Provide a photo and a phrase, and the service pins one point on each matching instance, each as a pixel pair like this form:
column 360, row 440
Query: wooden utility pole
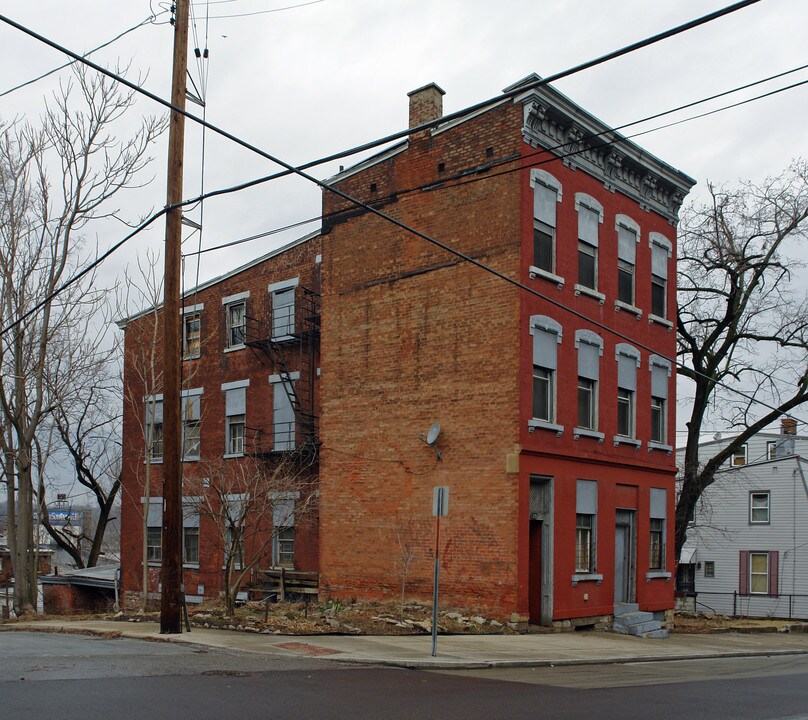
column 171, row 571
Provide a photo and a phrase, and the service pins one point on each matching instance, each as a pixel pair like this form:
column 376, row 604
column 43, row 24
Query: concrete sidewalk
column 455, row 651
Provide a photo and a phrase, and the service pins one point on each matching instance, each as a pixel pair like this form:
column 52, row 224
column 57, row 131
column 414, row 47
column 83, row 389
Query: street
column 79, row 676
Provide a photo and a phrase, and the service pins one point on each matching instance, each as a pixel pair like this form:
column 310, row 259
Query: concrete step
column 622, row 608
column 656, row 634
column 633, row 618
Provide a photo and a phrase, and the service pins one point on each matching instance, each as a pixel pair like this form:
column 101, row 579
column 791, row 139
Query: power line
column 459, row 175
column 403, row 226
column 148, row 21
column 265, row 12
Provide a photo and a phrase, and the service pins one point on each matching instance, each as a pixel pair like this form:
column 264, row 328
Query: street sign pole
column 440, row 508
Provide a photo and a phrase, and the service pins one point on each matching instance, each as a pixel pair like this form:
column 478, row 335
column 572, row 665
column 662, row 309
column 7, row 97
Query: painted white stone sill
column 619, row 305
column 228, row 456
column 659, row 321
column 657, row 575
column 544, row 274
column 587, row 577
column 659, row 446
column 234, row 348
column 584, row 290
column 625, row 440
column 543, row 425
column 579, row 432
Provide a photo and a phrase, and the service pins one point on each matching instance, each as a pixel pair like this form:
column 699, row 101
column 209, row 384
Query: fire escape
column 289, row 341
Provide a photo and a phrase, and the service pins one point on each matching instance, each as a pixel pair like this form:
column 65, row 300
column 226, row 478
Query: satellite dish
column 432, row 434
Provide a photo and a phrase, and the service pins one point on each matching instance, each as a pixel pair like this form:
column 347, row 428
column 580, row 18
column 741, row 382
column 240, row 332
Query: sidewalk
column 455, row 651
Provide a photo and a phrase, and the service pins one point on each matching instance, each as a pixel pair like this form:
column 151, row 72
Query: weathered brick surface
column 209, row 371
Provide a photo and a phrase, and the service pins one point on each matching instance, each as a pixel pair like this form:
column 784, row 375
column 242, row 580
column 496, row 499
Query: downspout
column 116, row 582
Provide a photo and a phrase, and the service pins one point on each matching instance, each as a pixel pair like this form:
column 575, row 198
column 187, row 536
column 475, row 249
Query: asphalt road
column 48, row 675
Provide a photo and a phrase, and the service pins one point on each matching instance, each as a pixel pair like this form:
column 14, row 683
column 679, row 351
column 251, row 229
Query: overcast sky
column 309, row 81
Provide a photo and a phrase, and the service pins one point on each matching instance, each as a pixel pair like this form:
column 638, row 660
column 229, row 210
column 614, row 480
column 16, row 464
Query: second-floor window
column 546, row 334
column 660, row 373
column 282, row 296
column 590, row 348
column 154, row 428
column 628, row 360
column 235, row 401
column 191, row 425
column 739, row 456
column 191, row 335
column 759, row 508
column 658, row 432
column 236, row 323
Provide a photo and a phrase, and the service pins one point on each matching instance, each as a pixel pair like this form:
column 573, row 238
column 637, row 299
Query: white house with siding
column 747, row 545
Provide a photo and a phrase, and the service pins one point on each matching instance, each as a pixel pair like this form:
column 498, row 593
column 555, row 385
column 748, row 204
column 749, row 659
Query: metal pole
column 435, row 588
column 171, row 571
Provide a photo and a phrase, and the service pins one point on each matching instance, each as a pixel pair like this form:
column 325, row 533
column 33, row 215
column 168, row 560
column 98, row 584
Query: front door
column 535, row 572
column 624, row 557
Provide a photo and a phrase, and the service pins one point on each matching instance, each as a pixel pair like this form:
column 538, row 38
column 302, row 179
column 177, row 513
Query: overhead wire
column 448, row 182
column 388, row 218
column 266, row 12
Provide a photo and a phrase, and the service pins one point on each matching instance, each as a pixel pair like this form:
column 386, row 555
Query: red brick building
column 556, row 401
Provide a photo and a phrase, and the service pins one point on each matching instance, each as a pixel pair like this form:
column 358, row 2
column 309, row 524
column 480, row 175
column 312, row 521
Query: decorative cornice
column 554, row 122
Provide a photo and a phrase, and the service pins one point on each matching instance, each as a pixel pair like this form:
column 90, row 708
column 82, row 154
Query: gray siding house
column 747, row 544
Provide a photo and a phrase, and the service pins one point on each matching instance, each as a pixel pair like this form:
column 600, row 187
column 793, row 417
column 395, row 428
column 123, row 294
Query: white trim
column 584, row 290
column 628, row 223
column 532, row 424
column 659, row 446
column 579, row 432
column 626, row 440
column 659, row 321
column 192, row 392
column 535, row 272
column 235, row 384
column 655, row 238
column 620, row 305
column 283, row 285
column 229, row 456
column 233, row 348
column 590, row 203
column 542, row 177
column 156, row 398
column 586, row 577
column 230, row 299
column 318, row 259
column 187, row 310
column 657, row 574
column 277, row 378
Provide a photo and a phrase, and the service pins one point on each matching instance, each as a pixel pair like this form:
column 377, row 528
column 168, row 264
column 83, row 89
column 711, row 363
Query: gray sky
column 309, row 81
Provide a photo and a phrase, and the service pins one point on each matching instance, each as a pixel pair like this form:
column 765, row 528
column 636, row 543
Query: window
column 661, row 250
column 709, row 569
column 586, row 404
column 154, row 427
column 543, row 401
column 759, row 572
column 236, row 509
column 660, row 373
column 191, row 424
column 590, row 214
column 154, row 549
column 658, row 513
column 583, row 543
column 283, row 308
column 283, row 524
column 657, row 538
column 546, row 193
column 759, row 508
column 191, row 335
column 628, row 233
column 625, row 412
column 590, row 348
column 628, row 360
column 658, row 434
column 234, row 546
column 739, row 456
column 771, row 449
column 283, row 413
column 190, row 545
column 236, row 323
column 235, row 408
column 546, row 337
column 586, row 505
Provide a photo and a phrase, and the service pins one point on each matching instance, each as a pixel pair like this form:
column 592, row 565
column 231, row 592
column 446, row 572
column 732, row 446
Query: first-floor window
column 234, row 546
column 587, row 417
column 625, row 412
column 190, row 545
column 657, row 544
column 286, row 547
column 709, row 569
column 154, row 551
column 543, row 394
column 584, row 557
column 759, row 573
column 657, row 420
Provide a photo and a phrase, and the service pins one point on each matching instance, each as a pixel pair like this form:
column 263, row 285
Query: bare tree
column 57, row 179
column 743, row 324
column 250, row 503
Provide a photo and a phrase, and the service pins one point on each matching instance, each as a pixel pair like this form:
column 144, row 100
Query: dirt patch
column 705, row 624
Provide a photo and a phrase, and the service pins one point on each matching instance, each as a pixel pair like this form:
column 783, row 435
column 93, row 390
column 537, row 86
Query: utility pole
column 171, row 570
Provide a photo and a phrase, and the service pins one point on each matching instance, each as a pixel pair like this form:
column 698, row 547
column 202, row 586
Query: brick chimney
column 788, row 426
column 426, row 104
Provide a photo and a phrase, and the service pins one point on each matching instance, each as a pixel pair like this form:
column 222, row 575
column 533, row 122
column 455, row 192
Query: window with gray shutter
column 659, row 379
column 283, row 419
column 628, row 359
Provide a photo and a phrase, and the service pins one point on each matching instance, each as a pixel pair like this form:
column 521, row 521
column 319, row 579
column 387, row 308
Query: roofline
column 375, row 159
column 221, row 278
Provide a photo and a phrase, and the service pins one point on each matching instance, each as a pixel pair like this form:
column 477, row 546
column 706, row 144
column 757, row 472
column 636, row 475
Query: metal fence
column 789, row 607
